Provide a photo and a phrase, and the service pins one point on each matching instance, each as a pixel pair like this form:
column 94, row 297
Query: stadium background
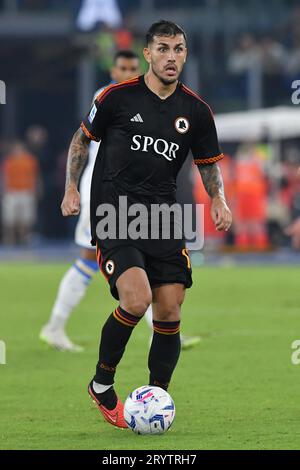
column 243, row 57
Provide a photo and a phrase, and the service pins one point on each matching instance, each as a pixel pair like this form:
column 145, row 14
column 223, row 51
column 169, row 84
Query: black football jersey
column 145, row 141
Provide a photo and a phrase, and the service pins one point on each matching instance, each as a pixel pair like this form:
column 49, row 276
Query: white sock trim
column 149, row 317
column 99, row 388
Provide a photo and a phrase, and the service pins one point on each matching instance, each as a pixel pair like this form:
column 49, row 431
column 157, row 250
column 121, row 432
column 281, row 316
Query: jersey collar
column 154, row 95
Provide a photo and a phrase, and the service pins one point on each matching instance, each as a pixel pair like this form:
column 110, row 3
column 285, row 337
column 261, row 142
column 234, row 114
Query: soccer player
column 76, row 280
column 147, row 126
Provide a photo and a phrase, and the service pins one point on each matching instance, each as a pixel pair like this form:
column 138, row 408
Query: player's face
column 125, row 69
column 166, row 56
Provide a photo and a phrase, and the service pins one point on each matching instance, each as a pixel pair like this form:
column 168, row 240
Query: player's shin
column 114, row 338
column 164, row 352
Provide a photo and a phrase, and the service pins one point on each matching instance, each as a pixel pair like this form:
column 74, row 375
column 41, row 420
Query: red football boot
column 114, row 416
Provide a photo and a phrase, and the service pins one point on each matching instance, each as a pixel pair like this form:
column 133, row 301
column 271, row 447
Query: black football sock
column 108, row 398
column 114, row 337
column 164, row 352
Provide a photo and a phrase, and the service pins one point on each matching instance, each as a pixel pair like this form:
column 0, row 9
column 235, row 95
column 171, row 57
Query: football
column 149, row 410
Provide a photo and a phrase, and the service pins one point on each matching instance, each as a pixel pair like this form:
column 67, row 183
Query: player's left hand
column 221, row 214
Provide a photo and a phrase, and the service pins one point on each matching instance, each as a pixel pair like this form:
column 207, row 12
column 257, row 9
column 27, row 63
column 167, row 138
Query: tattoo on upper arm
column 212, row 180
column 77, row 156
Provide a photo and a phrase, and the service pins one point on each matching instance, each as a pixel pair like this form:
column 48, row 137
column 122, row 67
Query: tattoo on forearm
column 212, row 180
column 77, row 156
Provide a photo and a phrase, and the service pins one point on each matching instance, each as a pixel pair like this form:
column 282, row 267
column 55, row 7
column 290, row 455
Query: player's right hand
column 71, row 202
column 294, row 231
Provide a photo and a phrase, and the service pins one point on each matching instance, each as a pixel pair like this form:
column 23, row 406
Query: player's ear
column 186, row 52
column 146, row 52
column 112, row 73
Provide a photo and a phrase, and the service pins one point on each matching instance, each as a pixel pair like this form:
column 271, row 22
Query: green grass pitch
column 236, row 390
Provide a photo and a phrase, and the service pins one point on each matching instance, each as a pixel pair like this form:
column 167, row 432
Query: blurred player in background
column 75, row 282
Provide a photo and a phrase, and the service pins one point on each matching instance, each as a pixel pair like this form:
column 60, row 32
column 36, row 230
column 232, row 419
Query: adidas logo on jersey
column 137, row 118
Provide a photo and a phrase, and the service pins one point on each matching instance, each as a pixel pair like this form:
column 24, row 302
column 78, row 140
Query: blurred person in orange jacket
column 213, row 236
column 20, row 173
column 293, row 230
column 251, row 200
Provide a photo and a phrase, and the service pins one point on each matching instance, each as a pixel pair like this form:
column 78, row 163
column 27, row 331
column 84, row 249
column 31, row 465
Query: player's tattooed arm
column 213, row 182
column 212, row 179
column 77, row 156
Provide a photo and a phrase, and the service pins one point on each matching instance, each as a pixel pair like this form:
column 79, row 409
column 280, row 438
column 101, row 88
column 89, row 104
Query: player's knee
column 136, row 303
column 168, row 312
column 139, row 308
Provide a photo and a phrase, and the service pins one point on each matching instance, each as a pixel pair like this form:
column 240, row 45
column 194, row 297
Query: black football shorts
column 175, row 267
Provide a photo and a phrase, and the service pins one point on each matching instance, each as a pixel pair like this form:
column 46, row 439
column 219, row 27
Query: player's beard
column 164, row 81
